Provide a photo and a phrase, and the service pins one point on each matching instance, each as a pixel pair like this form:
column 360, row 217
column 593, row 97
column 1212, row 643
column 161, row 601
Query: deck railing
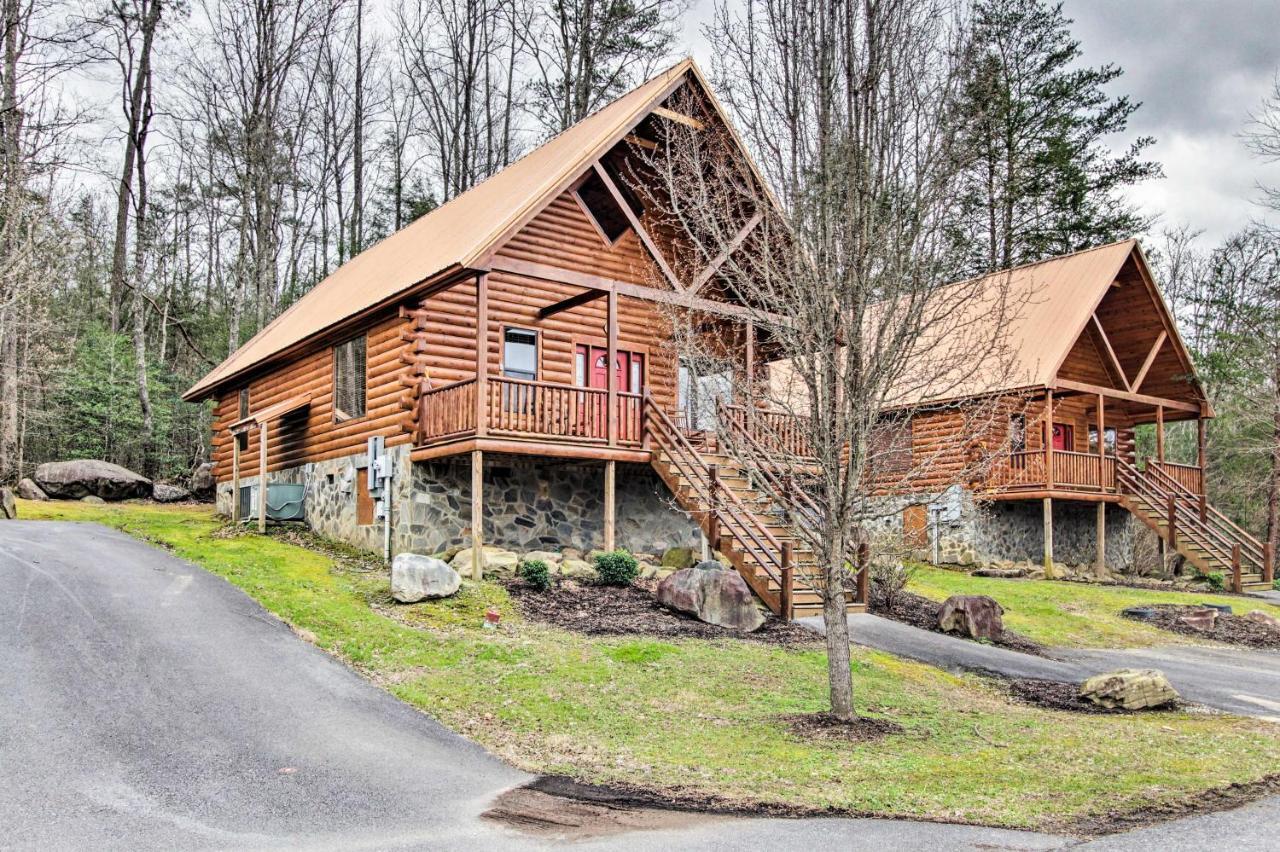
column 1189, row 476
column 776, row 431
column 447, row 412
column 1026, row 469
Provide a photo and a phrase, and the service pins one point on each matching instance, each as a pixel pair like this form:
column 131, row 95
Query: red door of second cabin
column 1064, row 437
column 592, row 372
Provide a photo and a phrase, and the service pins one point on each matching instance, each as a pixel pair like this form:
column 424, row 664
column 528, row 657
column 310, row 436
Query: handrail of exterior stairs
column 729, row 513
column 1248, row 543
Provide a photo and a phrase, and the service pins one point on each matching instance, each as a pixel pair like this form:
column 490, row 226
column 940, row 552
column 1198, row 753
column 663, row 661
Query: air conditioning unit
column 285, row 501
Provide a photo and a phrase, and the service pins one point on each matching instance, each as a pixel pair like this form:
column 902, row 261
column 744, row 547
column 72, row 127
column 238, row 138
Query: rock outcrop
column 714, row 594
column 162, row 492
column 976, row 616
column 416, row 578
column 28, row 490
column 203, row 483
column 1131, row 689
column 90, row 478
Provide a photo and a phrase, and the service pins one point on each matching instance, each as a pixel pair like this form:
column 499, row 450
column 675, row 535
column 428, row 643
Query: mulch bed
column 1055, row 695
column 825, row 726
column 918, row 611
column 598, row 610
column 1230, row 629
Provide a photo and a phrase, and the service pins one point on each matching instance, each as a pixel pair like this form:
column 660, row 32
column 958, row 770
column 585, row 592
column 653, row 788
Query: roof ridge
column 1050, row 259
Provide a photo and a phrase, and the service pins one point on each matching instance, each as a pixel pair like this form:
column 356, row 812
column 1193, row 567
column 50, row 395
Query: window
column 520, row 353
column 349, row 393
column 600, row 203
column 891, row 445
column 244, row 403
column 1017, row 433
column 1108, row 440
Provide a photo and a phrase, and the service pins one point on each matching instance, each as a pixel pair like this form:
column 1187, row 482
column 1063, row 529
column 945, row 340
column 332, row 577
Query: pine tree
column 1030, row 128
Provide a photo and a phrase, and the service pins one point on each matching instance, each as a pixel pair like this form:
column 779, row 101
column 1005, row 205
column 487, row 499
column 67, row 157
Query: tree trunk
column 839, row 671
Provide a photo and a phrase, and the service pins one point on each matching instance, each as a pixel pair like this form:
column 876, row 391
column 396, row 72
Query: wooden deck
column 1087, row 476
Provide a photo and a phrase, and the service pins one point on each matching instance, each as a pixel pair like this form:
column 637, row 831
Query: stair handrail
column 769, row 550
column 1189, row 525
column 1250, row 548
column 1246, row 540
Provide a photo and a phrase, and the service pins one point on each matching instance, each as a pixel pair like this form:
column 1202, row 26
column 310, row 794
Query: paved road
column 1235, row 680
column 147, row 704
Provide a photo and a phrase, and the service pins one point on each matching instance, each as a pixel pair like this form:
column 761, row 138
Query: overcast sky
column 1198, row 67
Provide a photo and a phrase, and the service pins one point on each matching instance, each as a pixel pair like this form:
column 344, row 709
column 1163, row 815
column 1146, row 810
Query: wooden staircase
column 742, row 522
column 1208, row 539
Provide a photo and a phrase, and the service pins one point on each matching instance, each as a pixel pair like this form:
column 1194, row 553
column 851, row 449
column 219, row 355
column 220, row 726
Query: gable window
column 603, row 209
column 1108, row 440
column 243, row 438
column 520, row 353
column 1017, row 433
column 349, row 393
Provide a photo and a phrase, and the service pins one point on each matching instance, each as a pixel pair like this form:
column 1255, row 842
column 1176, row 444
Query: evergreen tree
column 1030, row 126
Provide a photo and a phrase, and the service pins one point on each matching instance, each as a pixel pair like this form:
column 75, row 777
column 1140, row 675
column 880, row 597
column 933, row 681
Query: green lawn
column 702, row 717
column 1066, row 614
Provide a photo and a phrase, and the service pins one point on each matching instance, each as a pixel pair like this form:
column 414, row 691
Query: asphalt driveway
column 148, row 704
column 1235, row 680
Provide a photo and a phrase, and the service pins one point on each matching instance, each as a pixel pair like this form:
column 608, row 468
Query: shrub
column 536, row 573
column 888, row 579
column 618, row 568
column 1216, row 581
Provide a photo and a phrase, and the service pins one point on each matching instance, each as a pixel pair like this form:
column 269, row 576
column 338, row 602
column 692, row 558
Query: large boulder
column 415, row 578
column 8, row 507
column 203, row 483
column 712, row 593
column 1266, row 619
column 1132, row 689
column 28, row 490
column 90, row 477
column 494, row 561
column 162, row 492
column 976, row 616
column 1203, row 620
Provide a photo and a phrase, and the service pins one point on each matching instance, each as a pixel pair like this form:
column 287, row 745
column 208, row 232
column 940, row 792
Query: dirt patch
column 556, row 817
column 597, row 610
column 1217, row 799
column 825, row 726
column 918, row 611
column 1230, row 629
column 1055, row 695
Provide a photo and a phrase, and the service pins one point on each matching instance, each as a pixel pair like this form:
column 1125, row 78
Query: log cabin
column 498, row 373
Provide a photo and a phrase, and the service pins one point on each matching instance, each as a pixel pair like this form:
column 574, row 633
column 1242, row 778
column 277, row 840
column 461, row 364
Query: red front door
column 592, row 372
column 1064, row 437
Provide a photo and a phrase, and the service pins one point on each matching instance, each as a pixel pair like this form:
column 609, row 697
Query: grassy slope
column 702, row 716
column 1072, row 614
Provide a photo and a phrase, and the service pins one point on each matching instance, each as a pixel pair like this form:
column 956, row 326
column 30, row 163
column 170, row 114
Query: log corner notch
column 415, row 377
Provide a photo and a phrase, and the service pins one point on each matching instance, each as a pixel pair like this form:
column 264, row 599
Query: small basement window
column 244, row 403
column 520, row 353
column 603, row 209
column 349, row 392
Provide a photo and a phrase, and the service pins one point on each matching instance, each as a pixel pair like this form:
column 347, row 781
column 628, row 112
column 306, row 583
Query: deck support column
column 1160, row 433
column 482, row 355
column 477, row 514
column 611, row 371
column 235, row 478
column 1102, row 537
column 1048, row 441
column 1048, row 538
column 262, row 477
column 1102, row 445
column 610, row 508
column 1200, row 453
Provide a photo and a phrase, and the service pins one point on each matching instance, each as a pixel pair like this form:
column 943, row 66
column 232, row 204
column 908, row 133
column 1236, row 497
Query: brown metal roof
column 271, row 412
column 453, row 236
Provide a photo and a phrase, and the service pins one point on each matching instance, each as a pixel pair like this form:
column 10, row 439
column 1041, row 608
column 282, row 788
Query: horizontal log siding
column 313, row 436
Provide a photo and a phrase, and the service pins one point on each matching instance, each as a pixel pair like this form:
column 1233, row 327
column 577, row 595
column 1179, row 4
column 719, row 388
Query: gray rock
column 8, row 507
column 203, row 483
column 164, row 493
column 578, row 569
column 1132, row 689
column 494, row 561
column 28, row 490
column 976, row 616
column 712, row 593
column 416, row 578
column 552, row 559
column 85, row 477
column 92, row 498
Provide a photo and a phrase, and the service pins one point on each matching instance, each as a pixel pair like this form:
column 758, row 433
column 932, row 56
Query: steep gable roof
column 454, row 236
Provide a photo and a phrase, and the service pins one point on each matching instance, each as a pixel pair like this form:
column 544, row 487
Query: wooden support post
column 784, row 593
column 610, row 516
column 262, row 477
column 482, row 355
column 235, row 479
column 713, row 522
column 1237, row 584
column 1268, row 564
column 1200, row 452
column 1102, row 445
column 1173, row 525
column 1102, row 537
column 1204, row 508
column 1048, row 449
column 477, row 514
column 750, row 367
column 1159, row 433
column 611, row 374
column 1048, row 538
column 864, row 572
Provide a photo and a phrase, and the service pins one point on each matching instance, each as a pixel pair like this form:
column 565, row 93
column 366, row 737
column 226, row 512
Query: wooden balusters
column 788, row 581
column 713, row 531
column 1172, row 504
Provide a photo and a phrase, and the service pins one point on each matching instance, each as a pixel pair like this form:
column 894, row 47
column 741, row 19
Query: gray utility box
column 284, row 501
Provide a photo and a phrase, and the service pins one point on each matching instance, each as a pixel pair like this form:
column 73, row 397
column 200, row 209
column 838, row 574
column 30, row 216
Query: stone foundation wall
column 528, row 504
